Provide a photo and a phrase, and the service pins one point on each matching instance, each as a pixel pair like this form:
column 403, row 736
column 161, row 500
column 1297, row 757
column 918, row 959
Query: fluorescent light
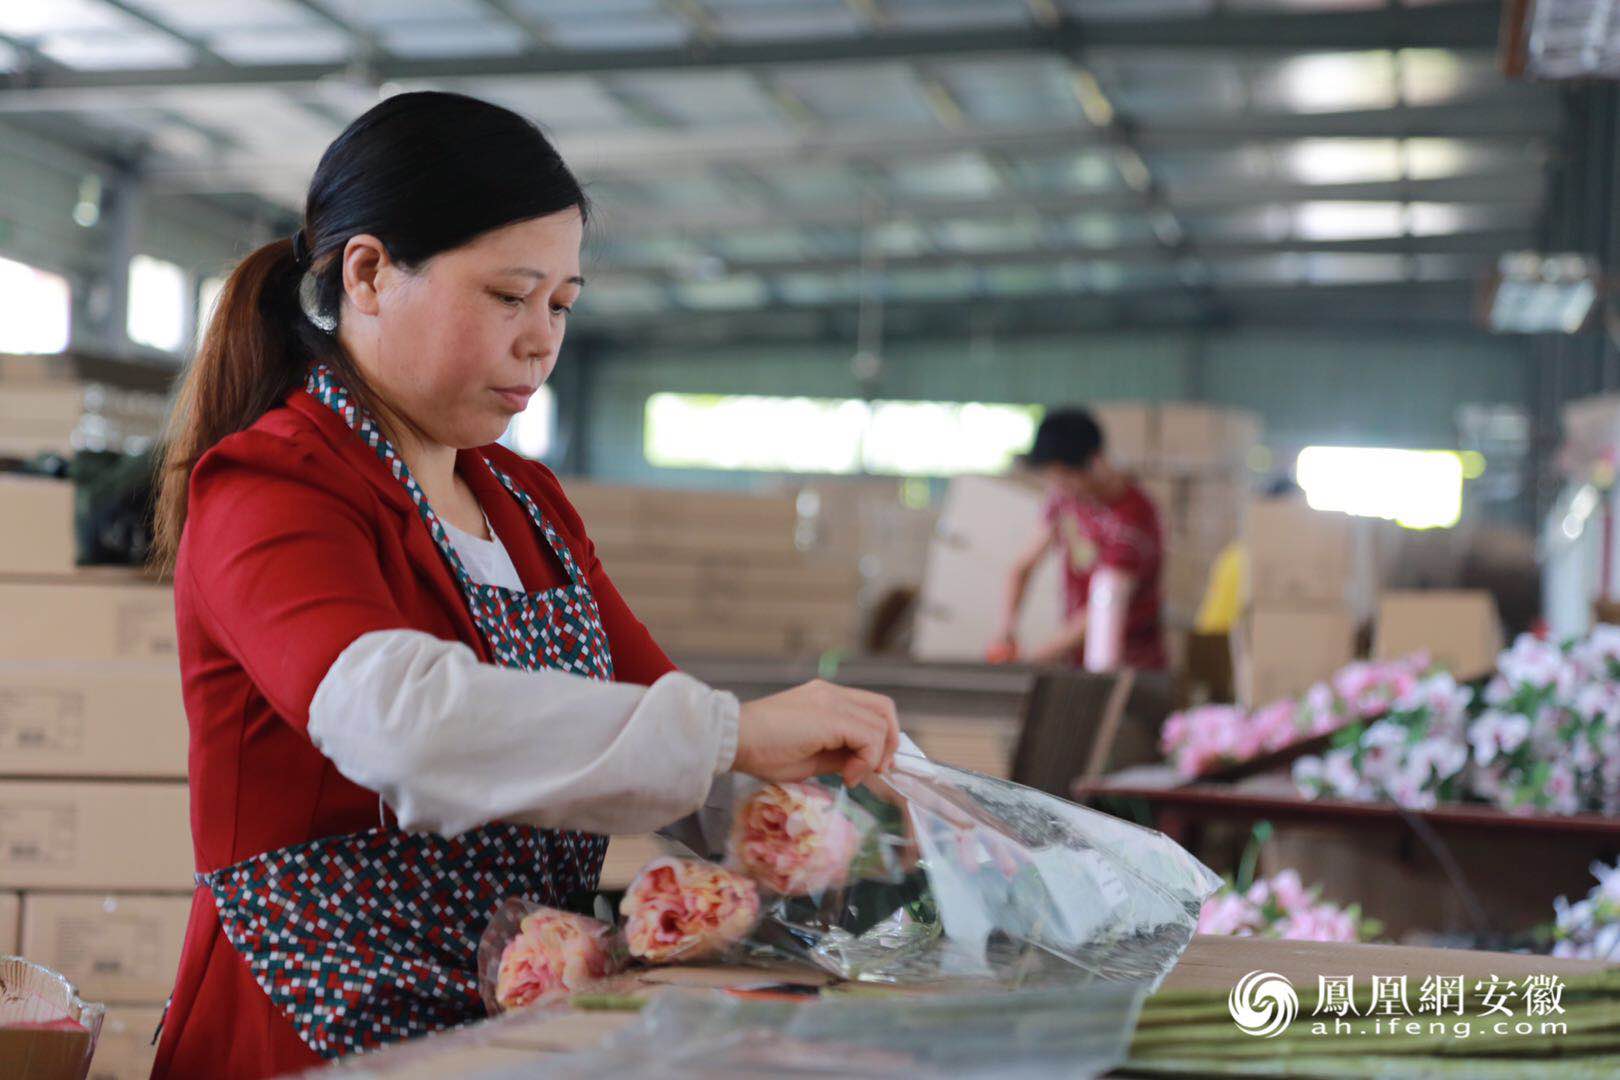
column 1542, row 294
column 1571, row 39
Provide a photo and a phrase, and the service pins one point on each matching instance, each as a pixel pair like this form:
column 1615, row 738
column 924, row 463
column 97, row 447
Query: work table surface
column 1210, row 963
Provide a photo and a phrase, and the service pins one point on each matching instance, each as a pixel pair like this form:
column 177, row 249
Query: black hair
column 426, row 172
column 1068, row 436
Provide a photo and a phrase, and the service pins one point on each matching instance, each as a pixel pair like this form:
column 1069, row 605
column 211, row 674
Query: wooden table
column 1210, row 963
column 1276, row 799
column 1438, row 871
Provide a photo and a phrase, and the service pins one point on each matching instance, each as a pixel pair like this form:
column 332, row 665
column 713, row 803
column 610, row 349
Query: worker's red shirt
column 1125, row 535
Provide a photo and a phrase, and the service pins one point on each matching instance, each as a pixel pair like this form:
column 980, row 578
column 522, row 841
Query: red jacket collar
column 528, row 552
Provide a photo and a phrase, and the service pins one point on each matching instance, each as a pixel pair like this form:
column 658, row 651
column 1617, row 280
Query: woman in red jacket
column 411, row 687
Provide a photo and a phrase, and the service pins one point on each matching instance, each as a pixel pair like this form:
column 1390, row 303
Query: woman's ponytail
column 251, row 355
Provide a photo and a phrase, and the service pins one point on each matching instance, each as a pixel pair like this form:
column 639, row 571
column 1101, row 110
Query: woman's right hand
column 814, row 730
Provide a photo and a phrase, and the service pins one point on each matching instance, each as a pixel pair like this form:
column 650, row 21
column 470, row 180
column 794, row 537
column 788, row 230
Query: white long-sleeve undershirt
column 451, row 743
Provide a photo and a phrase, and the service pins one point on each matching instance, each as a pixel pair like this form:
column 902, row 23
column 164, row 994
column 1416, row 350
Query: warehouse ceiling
column 982, row 166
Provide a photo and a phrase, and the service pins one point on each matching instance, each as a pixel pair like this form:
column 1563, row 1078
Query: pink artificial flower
column 1201, row 739
column 1228, row 913
column 794, row 839
column 554, row 952
column 1324, row 922
column 1290, row 892
column 686, row 909
column 1320, row 712
column 1273, row 727
column 1562, row 797
column 1369, row 688
column 1173, row 733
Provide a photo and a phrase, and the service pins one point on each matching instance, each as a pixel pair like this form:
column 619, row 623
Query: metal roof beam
column 1481, row 242
column 1518, row 188
column 1467, row 25
column 1384, row 301
column 656, row 155
column 1511, row 189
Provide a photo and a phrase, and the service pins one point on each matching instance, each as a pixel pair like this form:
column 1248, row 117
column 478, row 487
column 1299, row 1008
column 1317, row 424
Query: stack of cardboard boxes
column 712, row 572
column 46, row 408
column 1192, row 460
column 868, row 523
column 1297, row 627
column 95, row 835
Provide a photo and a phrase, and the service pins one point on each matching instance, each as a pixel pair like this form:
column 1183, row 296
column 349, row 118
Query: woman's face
column 458, row 345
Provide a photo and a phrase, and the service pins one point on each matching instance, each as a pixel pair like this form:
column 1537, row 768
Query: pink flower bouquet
column 1589, row 929
column 1202, row 740
column 795, row 839
column 1282, row 907
column 679, row 910
column 532, row 954
column 1543, row 737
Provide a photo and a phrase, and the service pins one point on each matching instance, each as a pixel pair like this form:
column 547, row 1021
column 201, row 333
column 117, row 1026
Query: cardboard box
column 39, row 417
column 719, row 609
column 690, row 639
column 666, row 509
column 126, row 1048
column 1198, row 438
column 16, row 368
column 980, row 744
column 1459, row 628
column 983, row 526
column 648, row 577
column 1164, row 493
column 42, row 403
column 1130, row 433
column 10, row 922
column 1192, row 436
column 63, row 718
column 1280, row 652
column 1185, row 578
column 1297, row 555
column 44, row 1053
column 959, row 610
column 113, row 948
column 91, row 617
column 134, row 836
column 1242, row 435
column 618, row 540
column 626, row 855
column 38, row 535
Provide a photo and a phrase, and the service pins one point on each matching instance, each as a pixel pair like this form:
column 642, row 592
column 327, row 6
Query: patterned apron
column 370, row 938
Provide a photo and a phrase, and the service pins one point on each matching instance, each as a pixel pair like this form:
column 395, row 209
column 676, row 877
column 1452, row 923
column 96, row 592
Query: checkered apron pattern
column 370, row 938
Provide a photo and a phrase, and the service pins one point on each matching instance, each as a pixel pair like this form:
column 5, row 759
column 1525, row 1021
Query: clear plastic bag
column 530, row 954
column 1070, row 1032
column 956, row 876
